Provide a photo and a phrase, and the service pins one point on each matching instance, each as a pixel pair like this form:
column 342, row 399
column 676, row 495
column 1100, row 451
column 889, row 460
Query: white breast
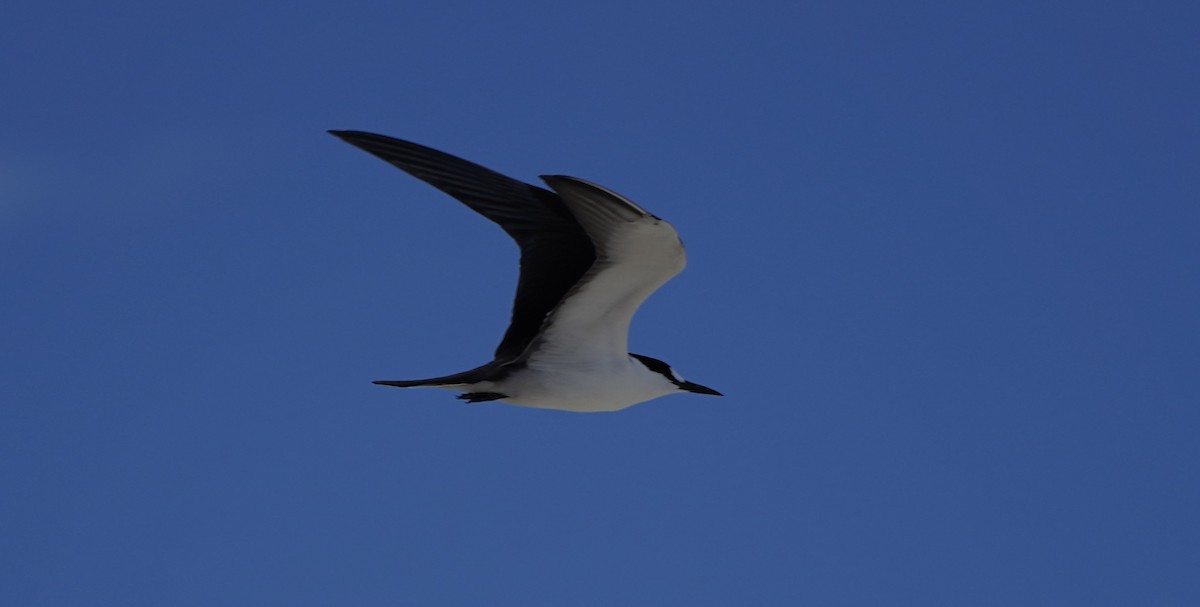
column 610, row 387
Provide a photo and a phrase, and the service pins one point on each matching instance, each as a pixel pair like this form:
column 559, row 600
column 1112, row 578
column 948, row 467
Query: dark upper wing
column 555, row 250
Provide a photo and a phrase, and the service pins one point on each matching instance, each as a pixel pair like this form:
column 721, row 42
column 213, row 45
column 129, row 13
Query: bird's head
column 674, row 377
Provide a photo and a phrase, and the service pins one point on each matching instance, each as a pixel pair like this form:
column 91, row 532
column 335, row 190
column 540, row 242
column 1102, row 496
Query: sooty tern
column 589, row 258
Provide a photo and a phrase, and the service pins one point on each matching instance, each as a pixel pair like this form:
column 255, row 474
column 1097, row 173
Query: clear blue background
column 944, row 264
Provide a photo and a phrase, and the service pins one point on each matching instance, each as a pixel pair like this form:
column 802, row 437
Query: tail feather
column 473, row 376
column 408, row 383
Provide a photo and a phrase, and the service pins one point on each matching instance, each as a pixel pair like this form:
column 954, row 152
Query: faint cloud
column 112, row 182
column 21, row 186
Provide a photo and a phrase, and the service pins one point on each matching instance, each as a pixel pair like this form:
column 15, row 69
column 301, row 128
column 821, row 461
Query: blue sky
column 943, row 263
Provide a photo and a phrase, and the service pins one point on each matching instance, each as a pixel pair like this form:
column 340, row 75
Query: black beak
column 698, row 389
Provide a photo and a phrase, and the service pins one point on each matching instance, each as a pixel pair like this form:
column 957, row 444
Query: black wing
column 555, row 251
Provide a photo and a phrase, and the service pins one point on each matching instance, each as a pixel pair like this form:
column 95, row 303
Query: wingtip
column 351, row 133
column 566, row 185
column 551, row 180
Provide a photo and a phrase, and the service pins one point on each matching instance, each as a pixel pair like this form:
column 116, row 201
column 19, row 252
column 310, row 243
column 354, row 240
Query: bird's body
column 589, row 258
column 599, row 385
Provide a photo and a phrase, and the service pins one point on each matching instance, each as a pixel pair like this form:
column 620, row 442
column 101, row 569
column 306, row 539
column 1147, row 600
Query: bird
column 589, row 257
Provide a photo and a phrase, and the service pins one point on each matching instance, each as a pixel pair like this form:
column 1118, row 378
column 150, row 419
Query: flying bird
column 589, row 258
